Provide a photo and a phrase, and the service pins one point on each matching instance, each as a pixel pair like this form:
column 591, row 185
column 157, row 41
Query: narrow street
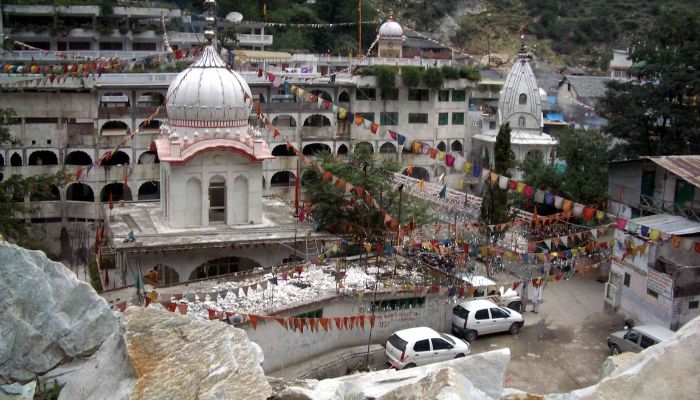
column 561, row 348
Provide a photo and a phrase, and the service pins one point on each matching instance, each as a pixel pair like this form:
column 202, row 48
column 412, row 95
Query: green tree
column 494, row 206
column 585, row 177
column 15, row 188
column 657, row 113
column 335, row 209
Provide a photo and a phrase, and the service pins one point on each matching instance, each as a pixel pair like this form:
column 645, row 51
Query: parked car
column 473, row 318
column 408, row 348
column 637, row 338
column 485, row 289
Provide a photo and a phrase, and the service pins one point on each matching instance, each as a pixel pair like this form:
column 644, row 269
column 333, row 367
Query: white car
column 485, row 289
column 473, row 318
column 408, row 348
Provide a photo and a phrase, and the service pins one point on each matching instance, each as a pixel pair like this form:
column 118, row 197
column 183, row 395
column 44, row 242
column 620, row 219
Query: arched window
column 2, row 161
column 317, row 120
column 149, row 191
column 419, row 173
column 456, row 146
column 80, row 192
column 118, row 190
column 344, row 97
column 15, row 160
column 114, row 128
column 223, row 266
column 522, row 99
column 322, row 94
column 78, row 158
column 387, row 148
column 43, row 157
column 313, row 148
column 283, row 179
column 150, row 99
column 150, row 127
column 282, row 151
column 149, row 157
column 50, row 194
column 364, row 146
column 118, row 158
column 342, row 150
column 442, row 146
column 217, row 199
column 161, row 275
column 521, row 122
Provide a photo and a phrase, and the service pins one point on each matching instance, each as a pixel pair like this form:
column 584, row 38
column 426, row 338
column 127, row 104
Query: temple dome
column 208, row 91
column 390, row 28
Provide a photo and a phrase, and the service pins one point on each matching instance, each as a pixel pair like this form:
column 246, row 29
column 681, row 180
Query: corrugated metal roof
column 588, row 86
column 262, row 55
column 671, row 224
column 687, row 167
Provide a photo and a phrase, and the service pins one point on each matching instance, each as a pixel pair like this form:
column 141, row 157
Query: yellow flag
column 342, row 113
column 467, row 167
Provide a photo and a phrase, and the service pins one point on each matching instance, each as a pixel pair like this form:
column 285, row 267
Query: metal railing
column 648, row 203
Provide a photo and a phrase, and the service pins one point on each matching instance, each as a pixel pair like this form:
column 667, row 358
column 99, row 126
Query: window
column 459, row 95
column 217, row 200
column 443, row 118
column 417, row 118
column 366, row 115
column 444, row 95
column 418, row 94
column 482, row 314
column 492, row 124
column 627, row 279
column 440, row 344
column 390, row 94
column 311, row 314
column 397, row 342
column 498, row 313
column 458, row 118
column 111, row 46
column 144, row 46
column 389, row 118
column 521, row 122
column 366, row 94
column 398, row 304
column 522, row 99
column 652, row 293
column 422, row 345
column 632, row 336
column 460, row 312
column 442, row 146
column 692, row 304
column 647, row 341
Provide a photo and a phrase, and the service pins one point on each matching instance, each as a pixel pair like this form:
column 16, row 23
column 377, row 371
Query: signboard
column 660, row 283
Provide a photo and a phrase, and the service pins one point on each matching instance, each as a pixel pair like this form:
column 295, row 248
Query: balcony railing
column 258, row 40
column 648, row 203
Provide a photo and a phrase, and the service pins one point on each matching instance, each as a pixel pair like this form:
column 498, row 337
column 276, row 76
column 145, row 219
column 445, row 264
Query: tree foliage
column 657, row 113
column 585, row 178
column 14, row 189
column 337, row 210
column 411, row 76
column 494, row 206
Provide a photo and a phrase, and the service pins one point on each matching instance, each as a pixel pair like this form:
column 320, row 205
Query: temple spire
column 210, row 31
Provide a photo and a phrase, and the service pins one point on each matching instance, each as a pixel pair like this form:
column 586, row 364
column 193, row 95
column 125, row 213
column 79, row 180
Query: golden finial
column 391, row 14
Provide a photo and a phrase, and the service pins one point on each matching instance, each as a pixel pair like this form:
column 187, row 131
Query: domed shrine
column 390, row 38
column 211, row 158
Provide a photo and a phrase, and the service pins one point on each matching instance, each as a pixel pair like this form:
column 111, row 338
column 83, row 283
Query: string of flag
column 316, row 26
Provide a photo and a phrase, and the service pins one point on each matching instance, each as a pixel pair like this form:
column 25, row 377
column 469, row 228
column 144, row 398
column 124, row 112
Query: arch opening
column 342, row 150
column 442, row 146
column 283, row 179
column 322, row 94
column 46, row 194
column 2, row 161
column 80, row 192
column 150, row 99
column 418, row 173
column 149, row 191
column 118, row 190
column 313, row 148
column 15, row 160
column 364, row 146
column 78, row 158
column 387, row 148
column 317, row 121
column 149, row 157
column 282, row 151
column 284, row 121
column 42, row 157
column 114, row 128
column 152, row 126
column 456, row 146
column 522, row 99
column 161, row 275
column 118, row 158
column 344, row 97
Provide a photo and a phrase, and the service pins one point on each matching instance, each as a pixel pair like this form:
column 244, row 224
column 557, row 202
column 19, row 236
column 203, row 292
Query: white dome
column 208, row 91
column 390, row 29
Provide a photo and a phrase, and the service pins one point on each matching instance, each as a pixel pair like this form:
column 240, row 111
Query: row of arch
column 387, row 148
column 78, row 157
column 147, row 99
column 162, row 274
column 83, row 192
column 115, row 127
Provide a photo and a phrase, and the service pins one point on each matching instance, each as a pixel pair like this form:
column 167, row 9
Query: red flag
column 254, row 320
column 182, row 308
column 126, row 177
column 121, row 306
column 111, row 201
column 338, row 322
column 324, row 323
column 371, row 321
column 212, row 313
column 362, row 321
column 172, row 307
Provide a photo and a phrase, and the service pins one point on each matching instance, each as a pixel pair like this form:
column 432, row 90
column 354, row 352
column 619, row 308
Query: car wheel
column 471, row 336
column 514, row 328
column 615, row 350
column 460, row 355
column 516, row 305
column 411, row 365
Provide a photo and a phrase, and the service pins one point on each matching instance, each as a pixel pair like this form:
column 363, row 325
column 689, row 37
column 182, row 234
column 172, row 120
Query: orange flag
column 362, row 321
column 254, row 320
column 371, row 321
column 324, row 323
column 313, row 323
column 352, row 322
column 338, row 322
column 283, row 322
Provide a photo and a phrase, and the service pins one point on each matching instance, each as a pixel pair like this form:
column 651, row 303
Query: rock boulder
column 47, row 314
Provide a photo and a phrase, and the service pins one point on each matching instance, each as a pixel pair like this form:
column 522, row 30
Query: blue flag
column 443, row 192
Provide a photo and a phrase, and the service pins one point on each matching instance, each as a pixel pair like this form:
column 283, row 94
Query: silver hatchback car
column 638, row 338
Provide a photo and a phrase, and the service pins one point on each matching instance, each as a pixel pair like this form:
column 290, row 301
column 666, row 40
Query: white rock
column 47, row 314
column 17, row 391
column 443, row 384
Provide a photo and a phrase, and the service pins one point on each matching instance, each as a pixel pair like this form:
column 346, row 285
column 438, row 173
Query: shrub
column 411, row 76
column 470, row 73
column 449, row 72
column 433, row 78
column 386, row 77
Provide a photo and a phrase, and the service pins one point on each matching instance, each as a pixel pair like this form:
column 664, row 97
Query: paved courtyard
column 563, row 346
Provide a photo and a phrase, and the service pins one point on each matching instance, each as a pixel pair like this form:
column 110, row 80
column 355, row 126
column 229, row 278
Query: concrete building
column 620, row 65
column 655, row 269
column 578, row 96
column 520, row 105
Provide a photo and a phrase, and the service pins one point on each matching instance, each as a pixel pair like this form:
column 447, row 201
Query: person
column 536, row 296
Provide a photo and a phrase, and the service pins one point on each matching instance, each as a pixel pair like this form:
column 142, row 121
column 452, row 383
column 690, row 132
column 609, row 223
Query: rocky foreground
column 51, row 321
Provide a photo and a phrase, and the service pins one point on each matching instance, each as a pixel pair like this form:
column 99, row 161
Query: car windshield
column 505, row 309
column 397, row 342
column 460, row 312
column 449, row 339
